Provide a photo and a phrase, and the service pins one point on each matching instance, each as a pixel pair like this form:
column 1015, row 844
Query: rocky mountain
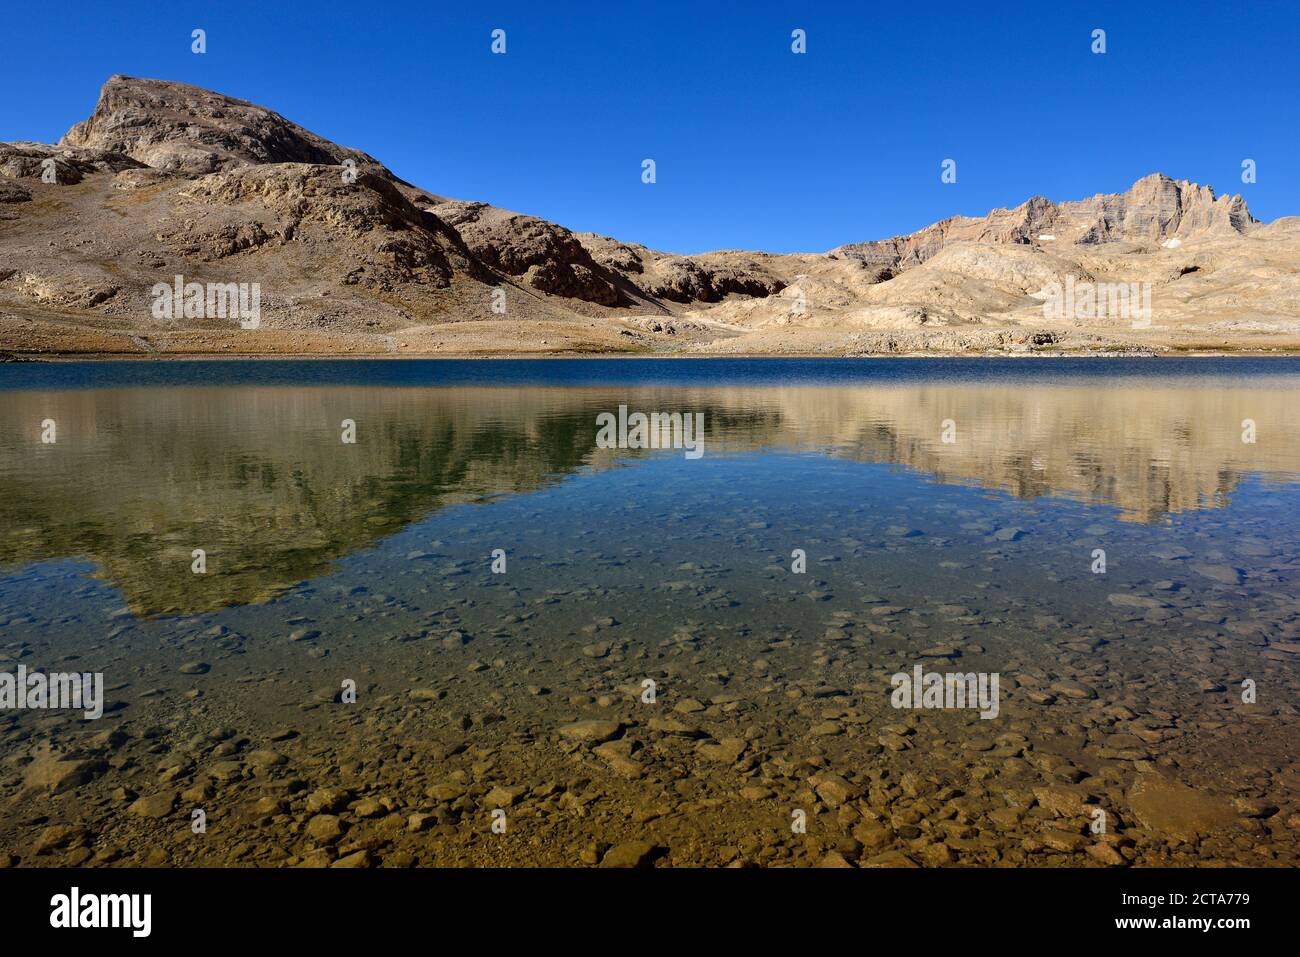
column 167, row 180
column 185, row 130
column 1155, row 209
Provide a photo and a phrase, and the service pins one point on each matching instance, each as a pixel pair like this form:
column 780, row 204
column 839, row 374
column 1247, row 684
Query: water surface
column 950, row 513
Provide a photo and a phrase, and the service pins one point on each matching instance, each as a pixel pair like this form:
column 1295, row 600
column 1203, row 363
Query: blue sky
column 756, row 147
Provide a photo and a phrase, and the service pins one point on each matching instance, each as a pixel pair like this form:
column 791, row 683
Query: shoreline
column 66, row 357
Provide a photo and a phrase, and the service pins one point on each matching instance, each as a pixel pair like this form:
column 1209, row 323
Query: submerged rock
column 1172, row 808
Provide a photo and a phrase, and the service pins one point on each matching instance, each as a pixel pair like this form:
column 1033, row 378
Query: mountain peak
column 1154, row 209
column 186, row 129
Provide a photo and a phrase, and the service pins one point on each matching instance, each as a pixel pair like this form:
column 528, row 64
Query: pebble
column 591, row 732
column 1226, row 574
column 265, row 759
column 728, row 750
column 502, row 796
column 834, row 790
column 324, row 828
column 59, row 835
column 369, row 807
column 833, row 859
column 154, row 806
column 361, row 859
column 1106, row 855
column 941, row 651
column 1073, row 689
column 674, row 727
column 444, row 793
column 1173, row 808
column 631, row 854
column 56, row 776
column 1065, row 841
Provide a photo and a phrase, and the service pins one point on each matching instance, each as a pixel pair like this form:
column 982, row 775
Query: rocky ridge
column 165, row 179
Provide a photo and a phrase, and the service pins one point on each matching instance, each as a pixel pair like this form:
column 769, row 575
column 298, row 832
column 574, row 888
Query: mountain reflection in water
column 256, row 475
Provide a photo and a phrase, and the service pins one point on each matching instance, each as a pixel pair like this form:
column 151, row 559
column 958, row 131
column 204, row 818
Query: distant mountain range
column 167, row 180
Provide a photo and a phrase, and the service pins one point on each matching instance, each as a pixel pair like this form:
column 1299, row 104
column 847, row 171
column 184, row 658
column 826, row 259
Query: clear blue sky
column 756, row 147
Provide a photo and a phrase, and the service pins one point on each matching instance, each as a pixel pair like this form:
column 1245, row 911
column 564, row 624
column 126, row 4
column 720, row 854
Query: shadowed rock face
column 166, row 179
column 393, row 243
column 599, row 270
column 546, row 256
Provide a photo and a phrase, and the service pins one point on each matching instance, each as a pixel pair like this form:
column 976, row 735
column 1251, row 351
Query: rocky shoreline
column 475, row 696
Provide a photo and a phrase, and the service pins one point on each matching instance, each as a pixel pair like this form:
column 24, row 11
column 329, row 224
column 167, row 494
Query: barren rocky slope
column 165, row 179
